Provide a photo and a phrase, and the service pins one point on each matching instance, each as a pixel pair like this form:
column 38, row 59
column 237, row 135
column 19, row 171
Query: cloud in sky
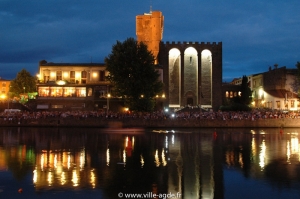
column 255, row 34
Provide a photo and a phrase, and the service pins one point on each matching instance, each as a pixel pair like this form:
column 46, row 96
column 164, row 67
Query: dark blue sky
column 255, row 34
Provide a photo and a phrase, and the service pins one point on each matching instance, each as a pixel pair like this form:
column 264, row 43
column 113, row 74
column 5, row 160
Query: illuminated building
column 149, row 30
column 71, row 85
column 274, row 89
column 4, row 88
column 190, row 71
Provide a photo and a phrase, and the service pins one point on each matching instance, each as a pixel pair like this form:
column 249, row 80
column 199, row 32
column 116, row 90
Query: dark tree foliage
column 246, row 93
column 133, row 76
column 240, row 103
column 23, row 80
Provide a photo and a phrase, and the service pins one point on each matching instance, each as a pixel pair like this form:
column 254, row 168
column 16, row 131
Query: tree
column 133, row 76
column 23, row 83
column 246, row 93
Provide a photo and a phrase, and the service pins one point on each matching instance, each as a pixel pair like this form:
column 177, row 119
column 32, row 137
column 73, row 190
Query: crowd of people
column 255, row 114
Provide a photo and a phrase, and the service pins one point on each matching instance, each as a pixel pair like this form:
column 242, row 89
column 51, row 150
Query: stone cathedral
column 191, row 71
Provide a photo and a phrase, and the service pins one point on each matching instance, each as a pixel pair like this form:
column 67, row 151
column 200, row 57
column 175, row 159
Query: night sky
column 255, row 34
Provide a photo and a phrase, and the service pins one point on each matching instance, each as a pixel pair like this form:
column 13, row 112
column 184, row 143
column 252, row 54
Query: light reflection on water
column 189, row 163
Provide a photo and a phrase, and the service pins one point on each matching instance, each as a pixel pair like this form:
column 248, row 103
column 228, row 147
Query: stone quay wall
column 148, row 123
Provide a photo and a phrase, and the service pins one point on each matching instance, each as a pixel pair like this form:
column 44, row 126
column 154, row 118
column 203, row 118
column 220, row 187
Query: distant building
column 4, row 88
column 274, row 89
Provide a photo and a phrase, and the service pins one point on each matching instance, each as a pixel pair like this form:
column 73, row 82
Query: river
column 230, row 163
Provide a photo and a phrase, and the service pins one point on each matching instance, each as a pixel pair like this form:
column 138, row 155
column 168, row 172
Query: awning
column 42, row 106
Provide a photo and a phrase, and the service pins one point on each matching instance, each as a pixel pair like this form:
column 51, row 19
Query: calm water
column 186, row 163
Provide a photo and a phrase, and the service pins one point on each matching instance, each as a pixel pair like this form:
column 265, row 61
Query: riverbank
column 155, row 123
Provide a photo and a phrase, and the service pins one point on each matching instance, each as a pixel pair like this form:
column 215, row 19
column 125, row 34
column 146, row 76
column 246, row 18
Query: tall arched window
column 174, row 77
column 190, row 76
column 206, row 77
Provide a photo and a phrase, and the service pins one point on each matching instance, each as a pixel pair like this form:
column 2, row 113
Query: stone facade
column 149, row 30
column 192, row 73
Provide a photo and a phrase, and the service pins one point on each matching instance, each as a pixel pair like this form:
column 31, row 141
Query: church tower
column 149, row 30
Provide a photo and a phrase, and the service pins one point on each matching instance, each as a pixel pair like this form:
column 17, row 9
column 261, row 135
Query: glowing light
column 288, row 152
column 75, row 178
column 82, row 158
column 77, row 74
column 62, row 178
column 107, row 157
column 69, row 161
column 163, row 157
column 55, row 161
column 133, row 141
column 3, row 96
column 34, row 179
column 262, row 155
column 95, row 74
column 49, row 179
column 42, row 162
column 142, row 161
column 93, row 179
column 60, row 82
column 261, row 92
column 66, row 74
column 156, row 158
column 124, row 156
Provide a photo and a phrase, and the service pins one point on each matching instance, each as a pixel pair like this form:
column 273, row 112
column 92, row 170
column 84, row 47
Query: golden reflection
column 126, row 141
column 295, row 145
column 82, row 160
column 157, row 163
column 55, row 161
column 142, row 161
column 262, row 155
column 93, row 179
column 42, row 162
column 49, row 179
column 124, row 157
column 133, row 140
column 253, row 146
column 69, row 161
column 63, row 178
column 288, row 151
column 107, row 157
column 163, row 157
column 75, row 178
column 34, row 179
column 229, row 157
column 241, row 160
